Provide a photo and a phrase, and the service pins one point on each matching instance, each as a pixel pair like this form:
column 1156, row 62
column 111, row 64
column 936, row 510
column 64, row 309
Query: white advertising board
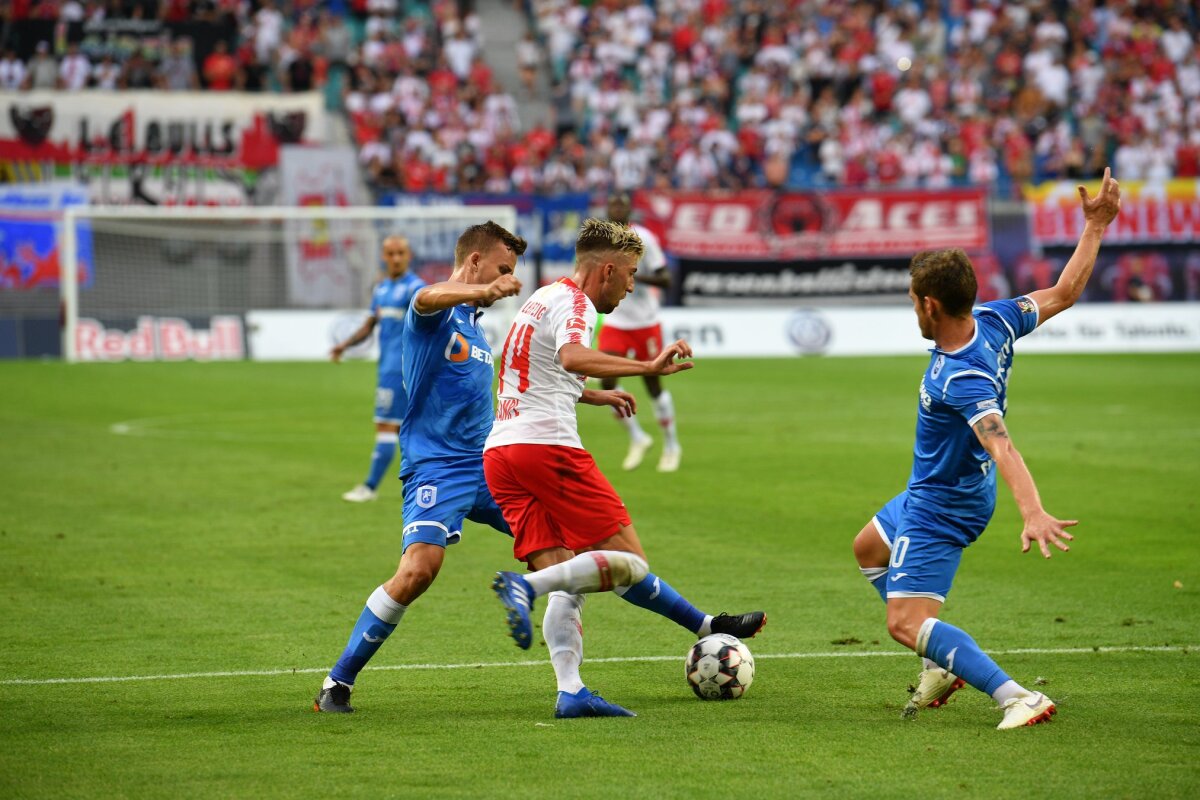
column 749, row 333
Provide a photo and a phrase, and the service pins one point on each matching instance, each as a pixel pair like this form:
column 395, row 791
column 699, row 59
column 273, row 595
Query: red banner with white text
column 759, row 224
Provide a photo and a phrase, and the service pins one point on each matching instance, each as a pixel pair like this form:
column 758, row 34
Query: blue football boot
column 517, row 596
column 586, row 704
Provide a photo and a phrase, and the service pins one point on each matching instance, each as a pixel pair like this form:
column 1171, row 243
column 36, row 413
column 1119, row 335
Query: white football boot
column 934, row 687
column 1028, row 710
column 360, row 494
column 669, row 461
column 637, row 451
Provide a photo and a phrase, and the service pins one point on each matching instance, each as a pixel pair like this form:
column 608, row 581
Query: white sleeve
column 572, row 320
column 653, row 259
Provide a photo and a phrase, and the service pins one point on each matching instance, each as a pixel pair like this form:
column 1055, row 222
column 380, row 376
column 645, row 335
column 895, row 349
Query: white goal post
column 139, row 268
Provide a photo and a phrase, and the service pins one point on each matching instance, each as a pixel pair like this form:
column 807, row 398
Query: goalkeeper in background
column 389, row 302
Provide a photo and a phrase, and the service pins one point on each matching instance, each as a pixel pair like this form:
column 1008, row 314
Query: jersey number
column 899, row 550
column 517, row 358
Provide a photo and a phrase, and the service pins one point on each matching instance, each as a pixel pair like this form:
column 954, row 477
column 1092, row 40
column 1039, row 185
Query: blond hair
column 602, row 235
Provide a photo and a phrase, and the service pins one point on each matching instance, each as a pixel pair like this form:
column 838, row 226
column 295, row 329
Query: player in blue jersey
column 389, row 301
column 448, row 377
column 911, row 549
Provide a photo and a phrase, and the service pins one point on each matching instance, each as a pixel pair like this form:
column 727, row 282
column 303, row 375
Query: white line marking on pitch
column 1059, row 651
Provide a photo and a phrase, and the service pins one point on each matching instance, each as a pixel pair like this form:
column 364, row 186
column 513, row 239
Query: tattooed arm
column 1040, row 526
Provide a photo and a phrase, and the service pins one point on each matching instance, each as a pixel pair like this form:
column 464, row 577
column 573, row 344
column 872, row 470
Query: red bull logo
column 161, row 339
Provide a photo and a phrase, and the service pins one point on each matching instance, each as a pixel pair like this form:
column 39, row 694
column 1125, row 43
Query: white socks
column 1009, row 690
column 597, row 571
column 664, row 410
column 562, row 628
column 383, row 606
column 632, row 427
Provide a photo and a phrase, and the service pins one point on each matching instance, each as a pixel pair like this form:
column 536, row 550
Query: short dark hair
column 479, row 237
column 947, row 276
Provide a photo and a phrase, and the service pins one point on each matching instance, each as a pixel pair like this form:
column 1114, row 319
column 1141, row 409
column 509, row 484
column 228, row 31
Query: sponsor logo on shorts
column 426, row 496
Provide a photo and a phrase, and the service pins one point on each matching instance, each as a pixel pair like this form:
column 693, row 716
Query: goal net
column 148, row 283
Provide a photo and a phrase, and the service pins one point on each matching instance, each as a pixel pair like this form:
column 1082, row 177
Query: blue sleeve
column 375, row 301
column 972, row 394
column 423, row 324
column 1020, row 314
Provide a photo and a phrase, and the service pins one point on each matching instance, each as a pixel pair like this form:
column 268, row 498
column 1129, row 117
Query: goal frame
column 505, row 215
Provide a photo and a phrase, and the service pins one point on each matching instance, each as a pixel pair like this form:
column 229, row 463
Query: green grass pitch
column 207, row 538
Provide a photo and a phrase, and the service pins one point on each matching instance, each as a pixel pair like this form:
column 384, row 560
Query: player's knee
column 413, row 578
column 628, row 569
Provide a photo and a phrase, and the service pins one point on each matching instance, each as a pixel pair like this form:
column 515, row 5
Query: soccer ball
column 719, row 667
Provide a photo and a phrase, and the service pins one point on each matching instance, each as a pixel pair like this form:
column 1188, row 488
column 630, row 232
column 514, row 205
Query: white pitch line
column 1059, row 651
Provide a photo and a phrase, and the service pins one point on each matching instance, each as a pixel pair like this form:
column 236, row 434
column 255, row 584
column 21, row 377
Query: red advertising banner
column 1151, row 213
column 761, row 224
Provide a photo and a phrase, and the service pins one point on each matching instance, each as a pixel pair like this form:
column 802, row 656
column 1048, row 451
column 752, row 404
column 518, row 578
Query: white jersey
column 537, row 396
column 639, row 308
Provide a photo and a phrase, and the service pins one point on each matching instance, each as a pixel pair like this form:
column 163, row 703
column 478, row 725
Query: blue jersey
column 389, row 302
column 952, row 473
column 448, row 378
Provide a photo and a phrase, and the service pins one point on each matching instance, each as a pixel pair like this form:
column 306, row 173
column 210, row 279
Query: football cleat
column 334, row 700
column 586, row 704
column 637, row 451
column 1028, row 710
column 743, row 626
column 669, row 460
column 517, row 596
column 934, row 687
column 360, row 494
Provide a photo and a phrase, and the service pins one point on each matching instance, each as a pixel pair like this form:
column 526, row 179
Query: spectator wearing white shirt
column 75, row 69
column 12, row 71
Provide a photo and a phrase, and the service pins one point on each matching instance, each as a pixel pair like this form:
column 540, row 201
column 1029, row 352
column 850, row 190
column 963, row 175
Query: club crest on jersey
column 426, row 496
column 1026, row 305
column 938, row 363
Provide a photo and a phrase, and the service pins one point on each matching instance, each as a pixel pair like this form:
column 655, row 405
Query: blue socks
column 374, row 625
column 381, row 457
column 956, row 652
column 655, row 594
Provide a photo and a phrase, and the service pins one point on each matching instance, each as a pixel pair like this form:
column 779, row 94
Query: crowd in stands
column 697, row 94
column 702, row 93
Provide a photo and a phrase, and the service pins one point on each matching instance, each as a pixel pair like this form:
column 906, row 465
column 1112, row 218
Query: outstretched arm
column 660, row 277
column 585, row 361
column 1039, row 527
column 1098, row 212
column 359, row 335
column 447, row 294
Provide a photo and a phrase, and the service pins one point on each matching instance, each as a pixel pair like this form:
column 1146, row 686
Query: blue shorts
column 926, row 547
column 438, row 497
column 390, row 398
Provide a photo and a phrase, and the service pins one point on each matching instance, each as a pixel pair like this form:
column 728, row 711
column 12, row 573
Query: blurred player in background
column 448, row 369
column 911, row 549
column 569, row 525
column 633, row 330
column 389, row 302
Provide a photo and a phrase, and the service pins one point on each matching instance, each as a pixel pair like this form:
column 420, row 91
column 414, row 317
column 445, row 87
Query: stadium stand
column 692, row 94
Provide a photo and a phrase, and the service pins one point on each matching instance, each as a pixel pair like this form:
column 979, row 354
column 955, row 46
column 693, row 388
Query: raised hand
column 665, row 363
column 504, row 286
column 1104, row 207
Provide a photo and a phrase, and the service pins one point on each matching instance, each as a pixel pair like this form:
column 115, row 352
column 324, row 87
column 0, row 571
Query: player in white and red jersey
column 568, row 523
column 633, row 329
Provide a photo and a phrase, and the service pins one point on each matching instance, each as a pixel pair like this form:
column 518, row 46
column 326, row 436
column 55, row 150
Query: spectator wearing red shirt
column 220, row 69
